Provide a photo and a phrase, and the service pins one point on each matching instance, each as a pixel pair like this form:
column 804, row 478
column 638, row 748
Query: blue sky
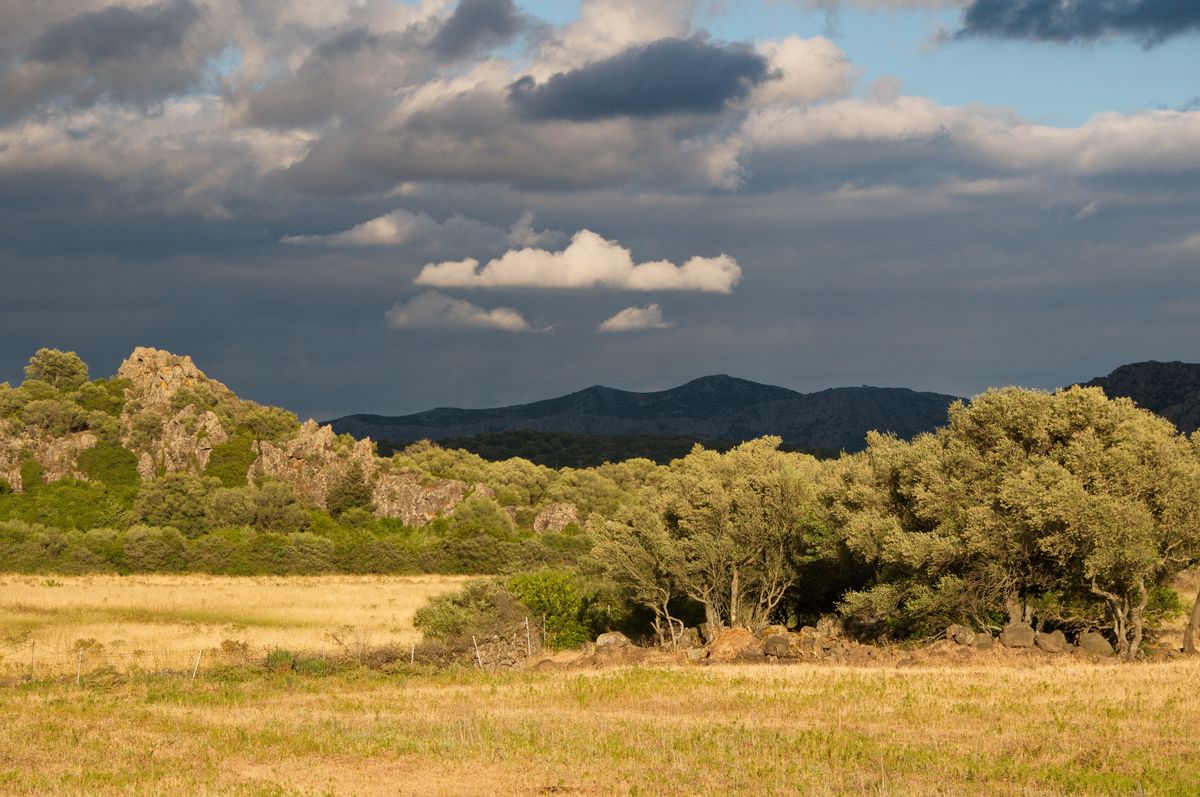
column 389, row 206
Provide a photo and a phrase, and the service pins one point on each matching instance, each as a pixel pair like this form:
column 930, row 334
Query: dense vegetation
column 1066, row 511
column 567, row 450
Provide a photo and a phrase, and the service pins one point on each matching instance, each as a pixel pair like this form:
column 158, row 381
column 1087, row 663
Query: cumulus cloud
column 632, row 319
column 434, row 310
column 804, row 71
column 589, row 261
column 666, row 76
column 476, row 25
column 1150, row 21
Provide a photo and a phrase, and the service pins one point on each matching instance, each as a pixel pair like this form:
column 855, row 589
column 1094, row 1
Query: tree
column 179, row 500
column 637, row 552
column 1064, row 509
column 350, row 491
column 54, row 417
column 62, row 370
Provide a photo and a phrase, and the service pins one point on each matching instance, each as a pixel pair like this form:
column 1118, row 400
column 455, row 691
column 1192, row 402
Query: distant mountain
column 710, row 408
column 1171, row 390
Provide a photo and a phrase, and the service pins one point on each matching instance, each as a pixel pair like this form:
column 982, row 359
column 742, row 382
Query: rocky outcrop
column 735, row 644
column 1053, row 642
column 960, row 634
column 57, row 456
column 555, row 517
column 184, row 445
column 1017, row 635
column 315, row 460
column 403, row 494
column 156, row 376
column 1094, row 643
column 312, row 462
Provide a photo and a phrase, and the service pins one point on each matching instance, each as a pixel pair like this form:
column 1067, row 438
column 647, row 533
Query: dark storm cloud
column 663, row 77
column 1150, row 21
column 476, row 25
column 116, row 32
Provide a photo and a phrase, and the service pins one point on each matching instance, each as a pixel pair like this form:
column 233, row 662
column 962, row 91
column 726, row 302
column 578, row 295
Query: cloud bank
column 632, row 319
column 437, row 311
column 1064, row 21
column 589, row 261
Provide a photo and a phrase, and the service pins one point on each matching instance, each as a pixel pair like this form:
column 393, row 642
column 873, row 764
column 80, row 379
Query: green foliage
column 230, row 461
column 61, row 370
column 68, row 504
column 266, row 423
column 480, row 516
column 179, row 500
column 555, row 597
column 31, row 474
column 54, row 417
column 103, row 395
column 349, row 491
column 110, row 463
column 480, row 609
column 155, row 550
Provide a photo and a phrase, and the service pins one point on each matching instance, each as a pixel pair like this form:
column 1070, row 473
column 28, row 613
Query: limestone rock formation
column 157, row 375
column 57, row 456
column 555, row 517
column 1017, row 635
column 185, row 444
column 315, row 459
column 403, row 494
column 735, row 644
column 1053, row 642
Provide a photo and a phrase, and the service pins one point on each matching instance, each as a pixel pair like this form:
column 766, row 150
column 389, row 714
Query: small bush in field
column 554, row 597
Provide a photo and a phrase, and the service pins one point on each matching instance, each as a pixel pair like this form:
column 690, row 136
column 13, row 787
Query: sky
column 347, row 206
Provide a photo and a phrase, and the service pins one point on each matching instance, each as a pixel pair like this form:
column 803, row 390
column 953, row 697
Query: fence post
column 32, row 647
column 196, row 666
column 79, row 667
column 528, row 641
column 478, row 660
column 412, row 652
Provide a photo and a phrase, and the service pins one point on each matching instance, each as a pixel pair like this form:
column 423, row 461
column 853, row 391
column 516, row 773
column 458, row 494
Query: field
column 162, row 622
column 1038, row 726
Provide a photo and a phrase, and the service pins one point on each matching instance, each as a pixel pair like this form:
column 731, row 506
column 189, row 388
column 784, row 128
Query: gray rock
column 696, row 654
column 960, row 635
column 778, row 646
column 613, row 639
column 984, row 641
column 1017, row 635
column 1054, row 642
column 1093, row 642
column 829, row 626
column 688, row 638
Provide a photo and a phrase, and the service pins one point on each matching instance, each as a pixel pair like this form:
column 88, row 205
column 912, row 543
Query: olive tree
column 62, row 370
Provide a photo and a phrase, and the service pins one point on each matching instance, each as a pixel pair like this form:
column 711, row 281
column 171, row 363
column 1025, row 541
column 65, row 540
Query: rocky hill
column 710, row 408
column 1171, row 390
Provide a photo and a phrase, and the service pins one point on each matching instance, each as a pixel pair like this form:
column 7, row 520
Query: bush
column 554, row 596
column 480, row 609
column 111, row 464
column 155, row 550
column 230, row 461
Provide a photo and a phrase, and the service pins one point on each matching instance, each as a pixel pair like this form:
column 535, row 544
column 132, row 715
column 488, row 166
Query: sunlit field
column 163, row 622
column 750, row 729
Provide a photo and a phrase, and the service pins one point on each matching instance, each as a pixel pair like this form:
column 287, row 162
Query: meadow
column 1036, row 725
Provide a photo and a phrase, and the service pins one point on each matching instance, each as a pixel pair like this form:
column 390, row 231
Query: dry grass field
column 162, row 621
column 749, row 729
column 1032, row 725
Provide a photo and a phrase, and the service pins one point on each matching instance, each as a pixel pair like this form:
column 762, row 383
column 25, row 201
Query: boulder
column 613, row 639
column 688, row 638
column 778, row 646
column 984, row 641
column 734, row 644
column 960, row 635
column 1017, row 635
column 1053, row 642
column 555, row 517
column 1094, row 643
column 696, row 654
column 829, row 626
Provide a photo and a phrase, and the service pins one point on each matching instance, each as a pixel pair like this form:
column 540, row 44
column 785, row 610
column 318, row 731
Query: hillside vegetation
column 1062, row 512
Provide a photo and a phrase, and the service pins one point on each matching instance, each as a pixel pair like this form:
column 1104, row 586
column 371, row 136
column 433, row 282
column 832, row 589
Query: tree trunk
column 1189, row 635
column 734, row 599
column 1012, row 604
column 1137, row 619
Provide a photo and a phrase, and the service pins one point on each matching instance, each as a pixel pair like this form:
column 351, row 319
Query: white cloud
column 437, row 311
column 1087, row 211
column 402, row 227
column 589, row 261
column 634, row 318
column 806, row 70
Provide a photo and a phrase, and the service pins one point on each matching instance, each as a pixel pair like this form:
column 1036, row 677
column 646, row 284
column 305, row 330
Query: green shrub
column 103, row 395
column 480, row 609
column 111, row 464
column 31, row 474
column 230, row 461
column 554, row 597
column 155, row 550
column 280, row 660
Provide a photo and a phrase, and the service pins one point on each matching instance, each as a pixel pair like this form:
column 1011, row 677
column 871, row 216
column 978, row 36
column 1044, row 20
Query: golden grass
column 1072, row 728
column 161, row 621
